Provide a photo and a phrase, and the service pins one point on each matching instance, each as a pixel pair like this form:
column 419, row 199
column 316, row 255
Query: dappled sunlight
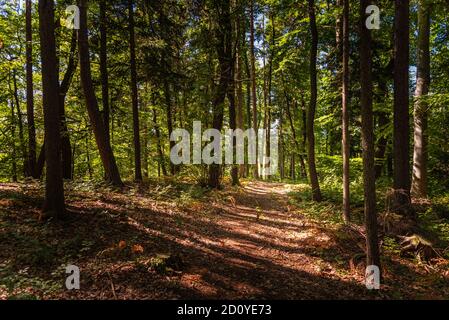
column 235, row 243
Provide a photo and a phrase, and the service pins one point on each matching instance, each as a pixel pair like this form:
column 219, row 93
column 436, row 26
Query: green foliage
column 22, row 285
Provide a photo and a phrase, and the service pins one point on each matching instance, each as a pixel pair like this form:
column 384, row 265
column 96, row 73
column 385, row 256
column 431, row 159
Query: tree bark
column 135, row 96
column 240, row 34
column 295, row 140
column 292, row 167
column 54, row 189
column 401, row 149
column 66, row 149
column 281, row 145
column 345, row 114
column 233, row 126
column 168, row 108
column 41, row 161
column 159, row 143
column 20, row 125
column 104, row 66
column 223, row 34
column 30, row 96
column 253, row 85
column 104, row 147
column 419, row 179
column 316, row 192
column 381, row 146
column 232, row 97
column 13, row 145
column 366, row 101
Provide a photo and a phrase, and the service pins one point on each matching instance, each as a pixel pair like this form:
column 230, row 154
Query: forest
column 331, row 180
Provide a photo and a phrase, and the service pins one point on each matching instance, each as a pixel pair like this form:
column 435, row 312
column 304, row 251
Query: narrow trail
column 237, row 243
column 257, row 248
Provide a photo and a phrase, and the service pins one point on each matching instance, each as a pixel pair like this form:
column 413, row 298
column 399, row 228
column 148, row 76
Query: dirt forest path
column 259, row 247
column 178, row 241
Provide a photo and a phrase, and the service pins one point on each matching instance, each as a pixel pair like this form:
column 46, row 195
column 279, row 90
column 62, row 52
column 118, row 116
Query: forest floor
column 178, row 241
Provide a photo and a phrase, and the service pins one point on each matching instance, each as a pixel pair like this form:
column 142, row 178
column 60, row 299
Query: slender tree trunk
column 223, row 34
column 272, row 47
column 401, row 149
column 135, row 97
column 66, row 149
column 292, row 128
column 316, row 192
column 304, row 130
column 159, row 143
column 248, row 91
column 104, row 66
column 419, row 180
column 98, row 126
column 253, row 85
column 13, row 145
column 292, row 167
column 366, row 101
column 73, row 157
column 30, row 97
column 345, row 114
column 54, row 189
column 89, row 166
column 381, row 147
column 233, row 126
column 248, row 98
column 20, row 125
column 240, row 34
column 145, row 138
column 295, row 140
column 232, row 97
column 41, row 161
column 168, row 106
column 281, row 145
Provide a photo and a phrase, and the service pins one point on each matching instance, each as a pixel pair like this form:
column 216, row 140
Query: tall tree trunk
column 30, row 98
column 316, row 192
column 240, row 34
column 281, row 145
column 54, row 189
column 292, row 167
column 401, row 178
column 13, row 145
column 233, row 126
column 295, row 140
column 98, row 126
column 66, row 149
column 301, row 148
column 304, row 130
column 272, row 47
column 253, row 85
column 366, row 101
column 145, row 137
column 248, row 97
column 41, row 161
column 159, row 143
column 345, row 113
column 168, row 106
column 20, row 125
column 104, row 66
column 232, row 97
column 381, row 146
column 223, row 34
column 419, row 179
column 135, row 97
column 89, row 166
